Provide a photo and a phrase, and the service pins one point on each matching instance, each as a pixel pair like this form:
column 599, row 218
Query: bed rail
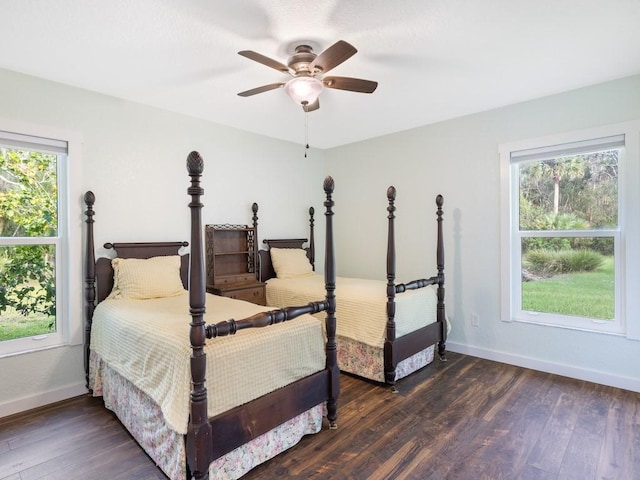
column 263, row 319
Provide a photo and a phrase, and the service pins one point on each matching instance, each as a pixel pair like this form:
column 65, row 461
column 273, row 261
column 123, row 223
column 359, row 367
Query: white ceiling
column 433, row 59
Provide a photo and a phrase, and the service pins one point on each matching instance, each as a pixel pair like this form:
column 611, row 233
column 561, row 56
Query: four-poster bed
column 205, row 409
column 385, row 330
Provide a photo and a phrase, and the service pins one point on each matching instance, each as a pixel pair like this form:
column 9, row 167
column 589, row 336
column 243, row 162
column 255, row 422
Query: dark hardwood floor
column 464, row 419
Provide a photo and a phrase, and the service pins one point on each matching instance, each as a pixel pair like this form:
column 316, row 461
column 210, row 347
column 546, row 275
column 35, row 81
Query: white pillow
column 290, row 262
column 140, row 279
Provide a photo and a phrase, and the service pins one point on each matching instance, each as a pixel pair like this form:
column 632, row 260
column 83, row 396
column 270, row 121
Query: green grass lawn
column 588, row 294
column 13, row 325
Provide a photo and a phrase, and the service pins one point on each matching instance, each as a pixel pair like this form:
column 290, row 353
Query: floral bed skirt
column 368, row 362
column 143, row 419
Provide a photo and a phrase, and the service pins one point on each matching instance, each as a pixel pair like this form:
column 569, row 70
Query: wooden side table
column 254, row 292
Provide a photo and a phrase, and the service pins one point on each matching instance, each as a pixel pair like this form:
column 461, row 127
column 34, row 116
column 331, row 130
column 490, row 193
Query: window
column 567, row 227
column 36, row 269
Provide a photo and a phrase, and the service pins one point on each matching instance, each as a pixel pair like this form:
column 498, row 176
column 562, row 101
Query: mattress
column 361, row 305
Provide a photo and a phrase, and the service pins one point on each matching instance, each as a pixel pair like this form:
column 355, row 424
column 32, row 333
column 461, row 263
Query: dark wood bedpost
column 389, row 363
column 89, row 279
column 256, row 258
column 330, row 322
column 440, row 313
column 199, row 430
column 312, row 242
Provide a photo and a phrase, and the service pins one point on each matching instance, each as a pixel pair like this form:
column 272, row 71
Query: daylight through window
column 565, row 236
column 30, row 241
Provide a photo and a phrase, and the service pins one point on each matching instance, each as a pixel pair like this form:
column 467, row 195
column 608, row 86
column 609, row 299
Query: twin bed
column 385, row 330
column 206, row 397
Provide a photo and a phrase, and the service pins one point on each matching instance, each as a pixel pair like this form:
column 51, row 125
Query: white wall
column 459, row 159
column 134, row 160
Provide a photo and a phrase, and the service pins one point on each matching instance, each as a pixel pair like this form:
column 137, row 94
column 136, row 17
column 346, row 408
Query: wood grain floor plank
column 548, row 453
column 616, row 456
column 527, row 417
column 529, row 472
column 110, row 441
column 40, row 419
column 583, row 451
column 635, row 430
column 45, row 449
column 461, row 429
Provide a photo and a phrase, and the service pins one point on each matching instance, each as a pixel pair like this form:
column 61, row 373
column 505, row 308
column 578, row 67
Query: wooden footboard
column 242, row 424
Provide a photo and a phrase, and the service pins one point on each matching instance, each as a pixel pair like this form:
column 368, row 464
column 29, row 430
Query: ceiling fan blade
column 333, row 56
column 269, row 62
column 311, row 107
column 351, row 84
column 263, row 88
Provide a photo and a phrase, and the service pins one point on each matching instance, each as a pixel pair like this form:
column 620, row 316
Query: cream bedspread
column 147, row 342
column 361, row 305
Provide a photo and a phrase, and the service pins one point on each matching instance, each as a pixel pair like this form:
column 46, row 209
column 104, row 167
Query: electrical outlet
column 475, row 320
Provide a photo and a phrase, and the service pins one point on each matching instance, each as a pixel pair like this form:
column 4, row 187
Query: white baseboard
column 39, row 400
column 603, row 378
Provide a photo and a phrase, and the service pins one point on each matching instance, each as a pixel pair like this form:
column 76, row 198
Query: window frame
column 626, row 236
column 69, row 319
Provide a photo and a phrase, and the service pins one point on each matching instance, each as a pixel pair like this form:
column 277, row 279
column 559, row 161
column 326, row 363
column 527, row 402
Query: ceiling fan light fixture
column 303, row 90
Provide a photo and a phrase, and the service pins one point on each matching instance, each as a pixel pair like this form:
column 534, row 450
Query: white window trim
column 70, row 309
column 628, row 242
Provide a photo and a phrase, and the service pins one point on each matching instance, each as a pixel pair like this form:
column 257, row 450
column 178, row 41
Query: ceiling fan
column 308, row 71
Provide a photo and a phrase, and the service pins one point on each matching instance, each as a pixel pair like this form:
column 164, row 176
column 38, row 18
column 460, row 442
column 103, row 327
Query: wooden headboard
column 266, row 267
column 104, row 270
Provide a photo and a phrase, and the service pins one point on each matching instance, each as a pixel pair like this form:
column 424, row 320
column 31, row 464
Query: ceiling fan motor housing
column 299, row 61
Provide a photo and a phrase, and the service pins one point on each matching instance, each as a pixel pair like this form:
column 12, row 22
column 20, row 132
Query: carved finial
column 391, row 196
column 439, row 200
column 329, row 184
column 89, row 198
column 391, row 193
column 254, row 219
column 195, row 164
column 312, row 211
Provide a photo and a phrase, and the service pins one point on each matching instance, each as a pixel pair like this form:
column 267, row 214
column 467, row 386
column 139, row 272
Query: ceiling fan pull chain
column 306, row 133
